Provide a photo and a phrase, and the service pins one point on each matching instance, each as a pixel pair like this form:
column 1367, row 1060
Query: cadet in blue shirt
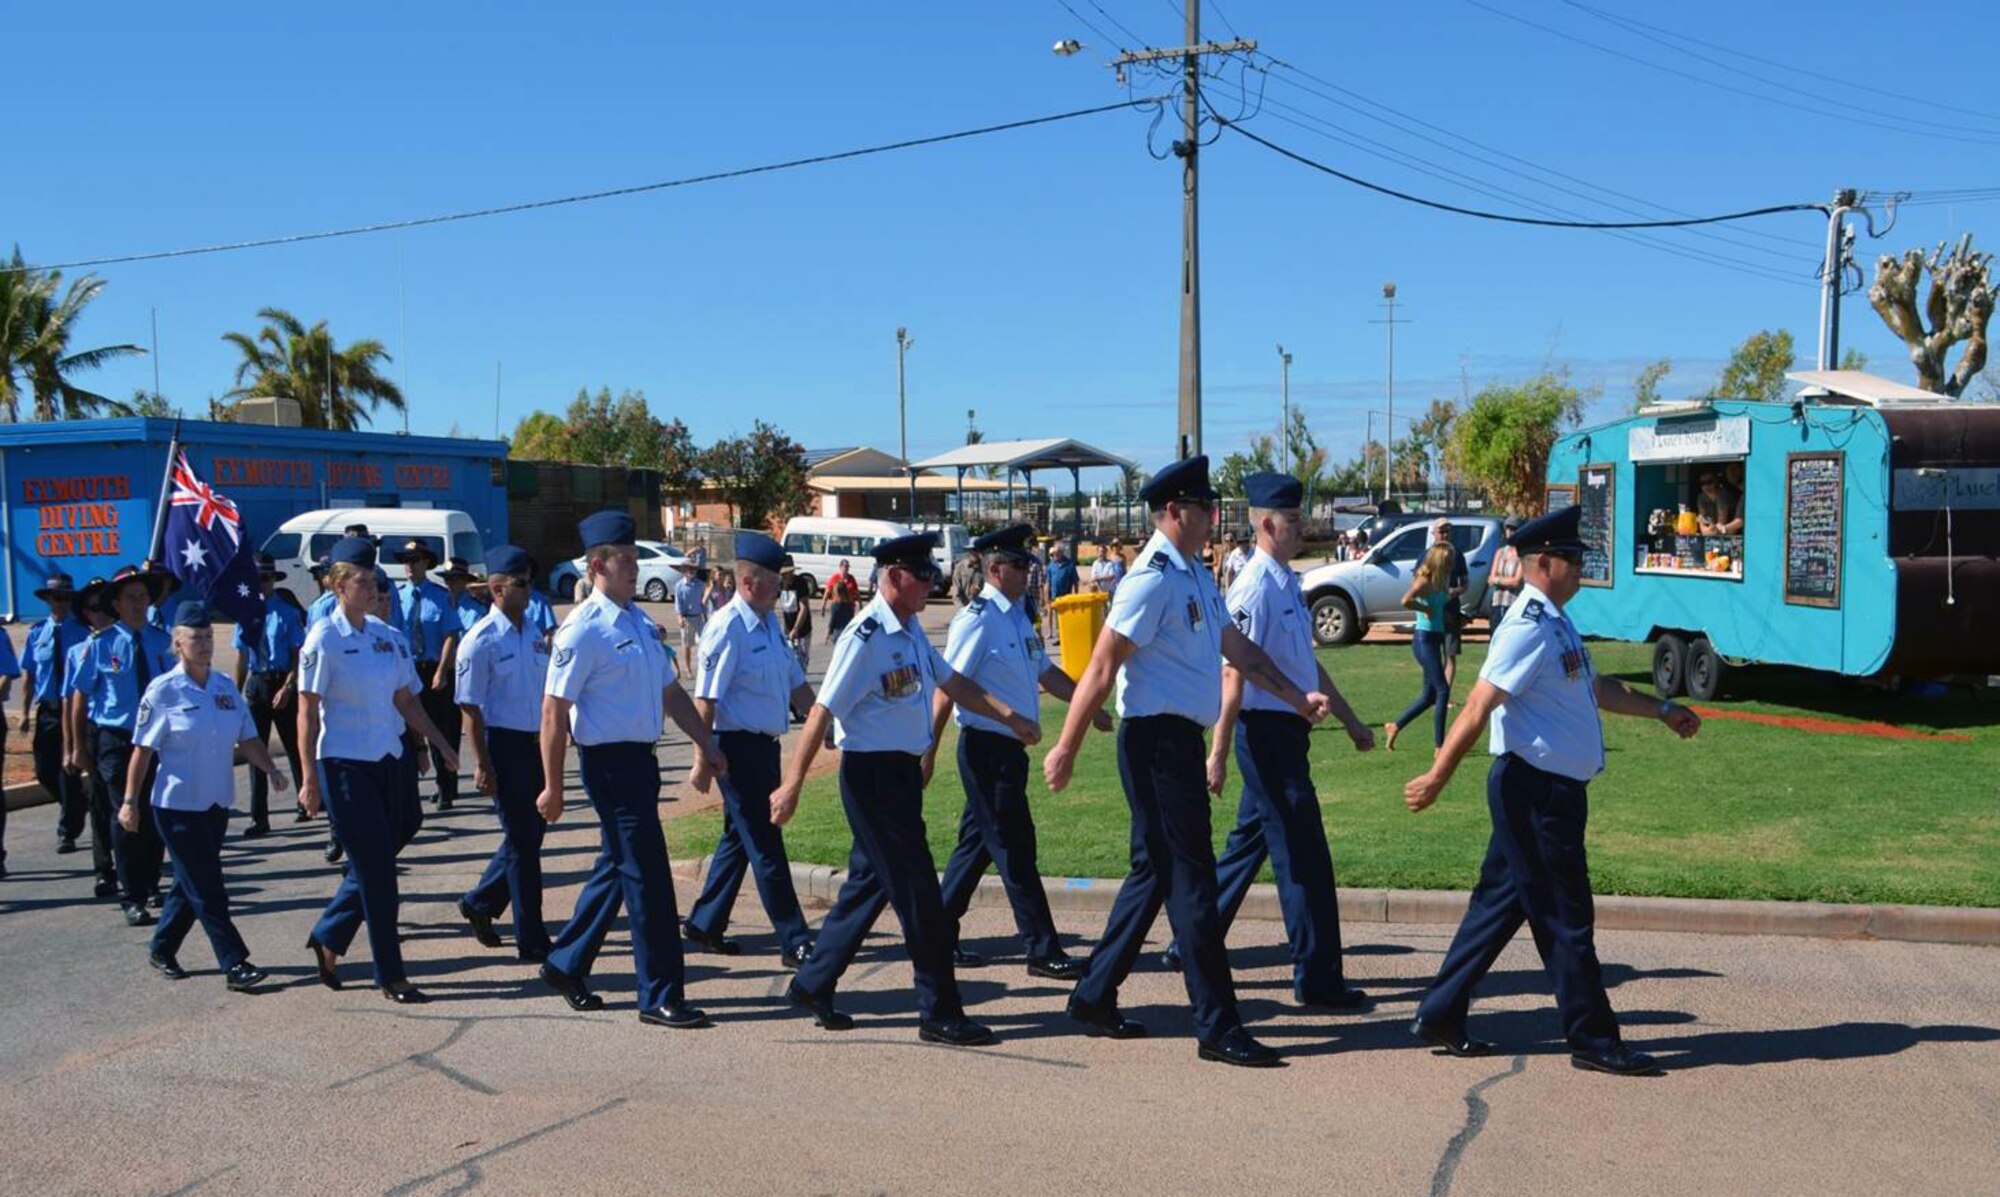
column 539, row 612
column 1543, row 696
column 877, row 694
column 611, row 685
column 355, row 699
column 194, row 720
column 431, row 621
column 1165, row 640
column 994, row 641
column 749, row 684
column 501, row 673
column 691, row 605
column 115, row 670
column 77, row 733
column 10, row 668
column 265, row 673
column 47, row 665
column 1278, row 815
column 322, row 605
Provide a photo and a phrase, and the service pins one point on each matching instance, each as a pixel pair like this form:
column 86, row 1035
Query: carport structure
column 1024, row 458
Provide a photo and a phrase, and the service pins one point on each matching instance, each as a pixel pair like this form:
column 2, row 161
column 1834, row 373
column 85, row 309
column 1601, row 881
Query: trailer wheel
column 1705, row 670
column 1333, row 620
column 1670, row 662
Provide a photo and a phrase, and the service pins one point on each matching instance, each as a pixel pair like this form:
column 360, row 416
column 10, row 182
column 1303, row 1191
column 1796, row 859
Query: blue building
column 80, row 495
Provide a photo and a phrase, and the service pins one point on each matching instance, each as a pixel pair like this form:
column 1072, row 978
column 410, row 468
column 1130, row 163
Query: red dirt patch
column 1832, row 727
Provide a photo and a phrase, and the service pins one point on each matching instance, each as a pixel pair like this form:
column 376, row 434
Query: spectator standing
column 1428, row 594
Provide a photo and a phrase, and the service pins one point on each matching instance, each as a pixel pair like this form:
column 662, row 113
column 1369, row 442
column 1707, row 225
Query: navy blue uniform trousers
column 997, row 828
column 890, row 864
column 72, row 805
column 1279, row 817
column 1161, row 761
column 514, row 875
column 623, row 781
column 750, row 843
column 139, row 855
column 1535, row 872
column 260, row 691
column 368, row 803
column 194, row 838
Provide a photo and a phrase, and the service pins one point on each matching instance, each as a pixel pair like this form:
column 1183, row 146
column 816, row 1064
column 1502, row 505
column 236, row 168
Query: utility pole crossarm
column 1130, row 57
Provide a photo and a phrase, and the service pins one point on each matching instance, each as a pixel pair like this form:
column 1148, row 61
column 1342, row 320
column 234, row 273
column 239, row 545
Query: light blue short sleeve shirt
column 993, row 642
column 1550, row 718
column 880, row 681
column 356, row 673
column 1267, row 605
column 1174, row 617
column 747, row 670
column 611, row 664
column 194, row 729
column 503, row 671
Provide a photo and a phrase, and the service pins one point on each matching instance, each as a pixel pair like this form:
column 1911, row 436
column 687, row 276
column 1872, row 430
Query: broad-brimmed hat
column 267, row 566
column 60, row 587
column 155, row 581
column 416, row 548
column 457, row 567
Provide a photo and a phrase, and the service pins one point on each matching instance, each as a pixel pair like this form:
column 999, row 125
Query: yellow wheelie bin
column 1079, row 618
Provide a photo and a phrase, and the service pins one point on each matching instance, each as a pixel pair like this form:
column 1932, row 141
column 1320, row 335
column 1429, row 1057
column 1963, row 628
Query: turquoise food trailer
column 1866, row 545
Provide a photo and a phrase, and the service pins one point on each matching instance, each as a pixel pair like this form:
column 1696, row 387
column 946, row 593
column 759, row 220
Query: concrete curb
column 1703, row 916
column 27, row 794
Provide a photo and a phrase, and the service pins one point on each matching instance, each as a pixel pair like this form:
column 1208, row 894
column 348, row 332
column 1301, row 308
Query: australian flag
column 208, row 549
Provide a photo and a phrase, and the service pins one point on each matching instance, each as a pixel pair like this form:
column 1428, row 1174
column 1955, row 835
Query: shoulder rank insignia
column 866, row 628
column 1242, row 620
column 1533, row 610
column 977, row 605
column 564, row 656
column 1159, row 560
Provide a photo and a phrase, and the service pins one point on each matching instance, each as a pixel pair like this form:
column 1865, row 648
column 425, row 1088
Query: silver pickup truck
column 1347, row 596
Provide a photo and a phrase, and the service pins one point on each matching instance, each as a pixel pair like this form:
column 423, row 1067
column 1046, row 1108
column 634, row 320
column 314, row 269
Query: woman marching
column 1428, row 595
column 194, row 719
column 354, row 702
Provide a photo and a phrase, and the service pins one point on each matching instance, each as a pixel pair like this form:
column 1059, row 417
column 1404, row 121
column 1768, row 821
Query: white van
column 818, row 545
column 953, row 540
column 304, row 539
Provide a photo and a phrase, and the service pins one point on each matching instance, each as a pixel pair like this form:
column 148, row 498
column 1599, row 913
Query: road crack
column 1476, row 1110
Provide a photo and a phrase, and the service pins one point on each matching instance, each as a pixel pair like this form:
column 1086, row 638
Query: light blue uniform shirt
column 322, row 607
column 1175, row 617
column 195, row 731
column 429, row 616
column 470, row 611
column 284, row 634
column 993, row 642
column 880, row 681
column 540, row 613
column 1267, row 605
column 10, row 665
column 45, row 640
column 356, row 673
column 689, row 596
column 748, row 670
column 109, row 671
column 1550, row 718
column 83, row 648
column 502, row 670
column 612, row 665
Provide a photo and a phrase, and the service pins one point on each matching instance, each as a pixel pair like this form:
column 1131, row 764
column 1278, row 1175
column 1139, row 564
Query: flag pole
column 166, row 485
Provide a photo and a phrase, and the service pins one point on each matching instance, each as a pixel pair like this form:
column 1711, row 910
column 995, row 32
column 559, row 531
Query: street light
column 904, row 343
column 1284, row 409
column 1067, row 47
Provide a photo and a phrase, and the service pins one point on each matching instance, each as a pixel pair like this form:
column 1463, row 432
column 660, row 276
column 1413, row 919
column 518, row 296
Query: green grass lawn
column 1743, row 811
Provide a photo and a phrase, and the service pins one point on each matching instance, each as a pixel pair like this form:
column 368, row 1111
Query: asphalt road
column 1796, row 1065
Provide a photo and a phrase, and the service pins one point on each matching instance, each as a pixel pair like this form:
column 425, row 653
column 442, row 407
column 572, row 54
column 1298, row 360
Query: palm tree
column 287, row 360
column 37, row 320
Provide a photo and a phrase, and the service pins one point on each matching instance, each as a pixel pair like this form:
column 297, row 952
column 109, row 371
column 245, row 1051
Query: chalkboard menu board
column 1815, row 484
column 1595, row 494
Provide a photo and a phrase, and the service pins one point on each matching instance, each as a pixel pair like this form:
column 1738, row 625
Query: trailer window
column 1690, row 518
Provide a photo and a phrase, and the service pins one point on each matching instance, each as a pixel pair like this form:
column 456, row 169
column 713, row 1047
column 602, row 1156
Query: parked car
column 305, row 538
column 1346, row 596
column 819, row 543
column 657, row 573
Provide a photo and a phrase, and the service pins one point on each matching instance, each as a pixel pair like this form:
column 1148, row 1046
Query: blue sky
column 1036, row 270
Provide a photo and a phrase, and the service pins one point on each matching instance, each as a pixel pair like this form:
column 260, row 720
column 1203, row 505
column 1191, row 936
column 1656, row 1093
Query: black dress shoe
column 1450, row 1040
column 1238, row 1048
column 65, row 846
column 323, row 962
column 136, row 915
column 482, row 925
column 156, row 900
column 822, row 1009
column 1097, row 1020
column 678, row 1015
column 256, row 829
column 299, row 815
column 532, row 955
column 444, row 803
column 1171, row 959
column 244, row 977
column 405, row 994
column 1056, row 968
column 1344, row 998
column 571, row 989
column 710, row 943
column 795, row 958
column 164, row 964
column 106, row 889
column 960, row 958
column 1618, row 1060
column 959, row 1031
column 333, row 852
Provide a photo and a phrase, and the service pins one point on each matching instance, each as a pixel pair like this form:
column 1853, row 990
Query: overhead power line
column 1512, row 218
column 587, row 197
